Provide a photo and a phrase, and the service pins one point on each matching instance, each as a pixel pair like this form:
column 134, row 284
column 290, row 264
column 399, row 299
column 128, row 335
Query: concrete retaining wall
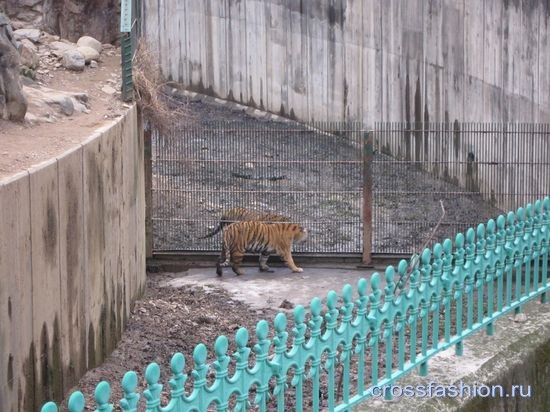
column 370, row 60
column 72, row 260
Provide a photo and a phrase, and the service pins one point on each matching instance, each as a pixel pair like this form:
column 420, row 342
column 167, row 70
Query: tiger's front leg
column 287, row 257
column 263, row 262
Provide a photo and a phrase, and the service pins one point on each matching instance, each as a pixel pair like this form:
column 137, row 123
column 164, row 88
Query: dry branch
column 159, row 109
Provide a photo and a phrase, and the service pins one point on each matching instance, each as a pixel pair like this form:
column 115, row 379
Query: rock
column 31, row 34
column 28, row 72
column 93, row 64
column 107, row 46
column 45, row 103
column 73, row 60
column 13, row 104
column 57, row 48
column 88, row 53
column 108, row 90
column 28, row 52
column 87, row 41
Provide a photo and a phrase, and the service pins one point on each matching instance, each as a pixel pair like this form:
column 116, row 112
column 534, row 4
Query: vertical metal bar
column 367, row 198
column 148, row 166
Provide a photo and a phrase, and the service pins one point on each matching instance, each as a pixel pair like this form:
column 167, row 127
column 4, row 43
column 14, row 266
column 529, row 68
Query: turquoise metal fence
column 485, row 274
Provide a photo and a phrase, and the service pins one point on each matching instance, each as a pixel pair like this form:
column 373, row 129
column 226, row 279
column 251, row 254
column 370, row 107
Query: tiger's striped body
column 262, row 238
column 240, row 214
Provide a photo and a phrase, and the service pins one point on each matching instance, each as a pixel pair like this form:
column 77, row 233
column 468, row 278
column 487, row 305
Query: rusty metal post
column 147, row 153
column 367, row 198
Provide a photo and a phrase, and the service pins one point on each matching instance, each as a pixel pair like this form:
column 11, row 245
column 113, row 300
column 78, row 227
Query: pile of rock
column 43, row 51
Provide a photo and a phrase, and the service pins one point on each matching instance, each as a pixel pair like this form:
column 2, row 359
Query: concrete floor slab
column 268, row 290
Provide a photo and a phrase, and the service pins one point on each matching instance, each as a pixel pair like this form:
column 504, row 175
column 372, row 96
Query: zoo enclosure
column 459, row 288
column 353, row 197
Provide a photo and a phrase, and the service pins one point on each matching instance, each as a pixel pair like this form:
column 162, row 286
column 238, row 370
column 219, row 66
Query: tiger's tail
column 214, row 232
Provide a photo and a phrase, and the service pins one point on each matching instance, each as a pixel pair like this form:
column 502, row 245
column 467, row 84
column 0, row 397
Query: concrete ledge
column 517, row 354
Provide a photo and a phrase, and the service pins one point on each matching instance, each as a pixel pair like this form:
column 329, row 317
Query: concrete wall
column 377, row 60
column 72, row 260
column 370, row 60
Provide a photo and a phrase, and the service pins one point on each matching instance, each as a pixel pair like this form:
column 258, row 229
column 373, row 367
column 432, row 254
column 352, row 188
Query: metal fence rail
column 457, row 290
column 477, row 169
column 311, row 173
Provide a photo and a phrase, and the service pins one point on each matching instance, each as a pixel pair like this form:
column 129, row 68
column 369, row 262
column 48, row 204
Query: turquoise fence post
column 413, row 301
column 331, row 319
column 296, row 354
column 500, row 260
column 374, row 324
column 154, row 388
column 401, row 316
column 388, row 311
column 446, row 283
column 425, row 292
column 545, row 245
column 280, row 340
column 491, row 262
column 131, row 399
column 177, row 382
column 527, row 250
column 435, row 291
column 518, row 255
column 510, row 255
column 537, row 239
column 361, row 324
column 241, row 376
column 459, row 275
column 221, row 366
column 314, row 345
column 346, row 330
column 480, row 268
column 470, row 279
column 263, row 368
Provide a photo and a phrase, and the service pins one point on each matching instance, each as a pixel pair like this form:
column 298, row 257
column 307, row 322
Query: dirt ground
column 23, row 145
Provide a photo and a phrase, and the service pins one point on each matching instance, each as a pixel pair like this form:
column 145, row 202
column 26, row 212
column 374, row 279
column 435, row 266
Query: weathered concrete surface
column 370, row 60
column 267, row 290
column 517, row 354
column 72, row 260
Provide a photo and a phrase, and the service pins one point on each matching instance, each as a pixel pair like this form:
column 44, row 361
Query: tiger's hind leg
column 236, row 260
column 263, row 262
column 223, row 261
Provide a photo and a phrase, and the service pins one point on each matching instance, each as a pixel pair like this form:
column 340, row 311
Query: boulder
column 87, row 41
column 73, row 60
column 31, row 34
column 88, row 53
column 29, row 54
column 13, row 104
column 57, row 48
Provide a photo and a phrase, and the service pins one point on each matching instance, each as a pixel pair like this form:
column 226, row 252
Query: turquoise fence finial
column 102, row 395
column 77, row 403
column 131, row 399
column 389, row 275
column 177, row 382
column 49, row 407
column 152, row 393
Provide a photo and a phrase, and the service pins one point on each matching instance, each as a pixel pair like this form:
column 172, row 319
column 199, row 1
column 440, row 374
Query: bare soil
column 24, row 145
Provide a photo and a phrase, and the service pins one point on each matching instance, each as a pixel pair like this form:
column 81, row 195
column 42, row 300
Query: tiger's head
column 300, row 235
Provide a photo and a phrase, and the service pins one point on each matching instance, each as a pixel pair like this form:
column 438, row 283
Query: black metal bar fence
column 316, row 175
column 478, row 171
column 310, row 173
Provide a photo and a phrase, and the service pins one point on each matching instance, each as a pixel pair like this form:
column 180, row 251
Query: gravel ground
column 313, row 177
column 169, row 320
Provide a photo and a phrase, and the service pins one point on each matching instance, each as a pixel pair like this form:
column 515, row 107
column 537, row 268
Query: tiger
column 262, row 238
column 240, row 214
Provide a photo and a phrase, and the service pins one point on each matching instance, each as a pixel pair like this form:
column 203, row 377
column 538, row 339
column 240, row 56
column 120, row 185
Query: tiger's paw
column 298, row 270
column 266, row 269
